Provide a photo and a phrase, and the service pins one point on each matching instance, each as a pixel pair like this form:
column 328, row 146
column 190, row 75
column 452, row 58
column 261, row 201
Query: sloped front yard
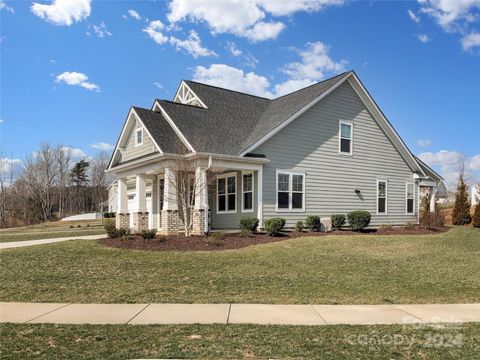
column 363, row 269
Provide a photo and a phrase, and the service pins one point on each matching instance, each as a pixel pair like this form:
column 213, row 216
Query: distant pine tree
column 461, row 209
column 476, row 216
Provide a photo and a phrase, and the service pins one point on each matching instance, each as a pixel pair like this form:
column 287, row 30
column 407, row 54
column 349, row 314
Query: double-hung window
column 381, row 196
column 139, row 137
column 227, row 193
column 290, row 191
column 247, row 192
column 345, row 136
column 410, row 198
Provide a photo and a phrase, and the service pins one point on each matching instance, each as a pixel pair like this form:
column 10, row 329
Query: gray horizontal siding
column 132, row 151
column 310, row 144
column 231, row 220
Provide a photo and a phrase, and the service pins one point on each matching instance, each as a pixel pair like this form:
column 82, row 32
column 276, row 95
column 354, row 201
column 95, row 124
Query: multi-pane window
column 247, row 183
column 290, row 191
column 226, row 193
column 410, row 198
column 381, row 197
column 345, row 136
column 138, row 137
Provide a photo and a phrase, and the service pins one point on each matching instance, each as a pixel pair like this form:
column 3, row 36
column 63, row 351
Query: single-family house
column 322, row 150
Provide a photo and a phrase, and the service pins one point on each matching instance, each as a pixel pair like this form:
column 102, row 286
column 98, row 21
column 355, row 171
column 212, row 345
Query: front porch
column 220, row 191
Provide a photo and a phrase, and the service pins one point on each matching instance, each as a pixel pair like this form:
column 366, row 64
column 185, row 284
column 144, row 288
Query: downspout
column 206, row 229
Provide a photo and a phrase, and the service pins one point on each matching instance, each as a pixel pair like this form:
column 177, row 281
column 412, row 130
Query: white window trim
column 290, row 183
column 244, row 192
column 340, row 137
column 232, row 174
column 386, row 197
column 406, row 198
column 136, row 137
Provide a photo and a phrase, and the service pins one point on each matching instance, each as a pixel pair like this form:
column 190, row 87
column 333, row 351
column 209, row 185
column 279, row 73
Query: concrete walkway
column 237, row 314
column 17, row 244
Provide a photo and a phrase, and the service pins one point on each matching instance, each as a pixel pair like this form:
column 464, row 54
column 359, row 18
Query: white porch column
column 140, row 194
column 170, row 192
column 200, row 188
column 433, row 198
column 260, row 196
column 122, row 199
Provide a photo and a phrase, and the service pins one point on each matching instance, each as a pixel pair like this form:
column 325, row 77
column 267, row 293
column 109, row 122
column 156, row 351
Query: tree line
column 52, row 185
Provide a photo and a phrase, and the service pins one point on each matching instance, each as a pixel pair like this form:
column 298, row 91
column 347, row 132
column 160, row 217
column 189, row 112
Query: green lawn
column 441, row 268
column 52, row 230
column 238, row 342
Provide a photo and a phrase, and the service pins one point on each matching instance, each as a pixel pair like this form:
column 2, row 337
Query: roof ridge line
column 235, row 91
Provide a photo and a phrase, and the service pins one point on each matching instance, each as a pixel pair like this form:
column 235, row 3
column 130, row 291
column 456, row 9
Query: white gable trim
column 291, row 118
column 173, row 125
column 179, row 98
column 131, row 115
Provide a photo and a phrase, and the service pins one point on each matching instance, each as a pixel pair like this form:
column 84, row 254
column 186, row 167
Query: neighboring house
column 322, row 150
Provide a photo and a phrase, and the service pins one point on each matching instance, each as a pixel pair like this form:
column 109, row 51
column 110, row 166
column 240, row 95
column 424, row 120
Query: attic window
column 139, row 137
column 186, row 96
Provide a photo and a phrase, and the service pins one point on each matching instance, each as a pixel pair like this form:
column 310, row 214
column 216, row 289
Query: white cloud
column 77, row 79
column 470, row 41
column 423, row 38
column 63, row 12
column 451, row 14
column 315, row 63
column 280, row 8
column 424, row 142
column 289, row 86
column 4, row 6
column 9, row 165
column 415, row 18
column 75, row 153
column 448, row 163
column 153, row 30
column 474, row 163
column 192, row 45
column 158, row 85
column 102, row 146
column 134, row 14
column 2, row 121
column 232, row 48
column 100, row 30
column 232, row 78
column 263, row 31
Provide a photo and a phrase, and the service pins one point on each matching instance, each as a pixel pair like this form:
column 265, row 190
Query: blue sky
column 70, row 69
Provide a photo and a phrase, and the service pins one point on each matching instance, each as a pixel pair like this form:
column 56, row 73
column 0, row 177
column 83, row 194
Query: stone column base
column 140, row 221
column 122, row 221
column 198, row 227
column 170, row 221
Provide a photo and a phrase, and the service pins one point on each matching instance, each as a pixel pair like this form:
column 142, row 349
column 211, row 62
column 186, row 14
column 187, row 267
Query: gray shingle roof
column 234, row 120
column 161, row 131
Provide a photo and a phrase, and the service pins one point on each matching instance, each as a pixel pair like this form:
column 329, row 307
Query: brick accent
column 122, row 221
column 170, row 221
column 140, row 221
column 198, row 227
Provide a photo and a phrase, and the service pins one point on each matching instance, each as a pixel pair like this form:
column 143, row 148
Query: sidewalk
column 237, row 314
column 17, row 244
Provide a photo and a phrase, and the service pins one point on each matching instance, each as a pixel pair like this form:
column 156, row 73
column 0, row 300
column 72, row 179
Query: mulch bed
column 238, row 240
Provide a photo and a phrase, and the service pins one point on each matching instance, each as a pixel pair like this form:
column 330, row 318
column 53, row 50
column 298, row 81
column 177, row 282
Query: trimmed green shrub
column 359, row 219
column 249, row 223
column 108, row 215
column 313, row 223
column 110, row 228
column 299, row 226
column 148, row 234
column 122, row 233
column 273, row 226
column 476, row 216
column 338, row 220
